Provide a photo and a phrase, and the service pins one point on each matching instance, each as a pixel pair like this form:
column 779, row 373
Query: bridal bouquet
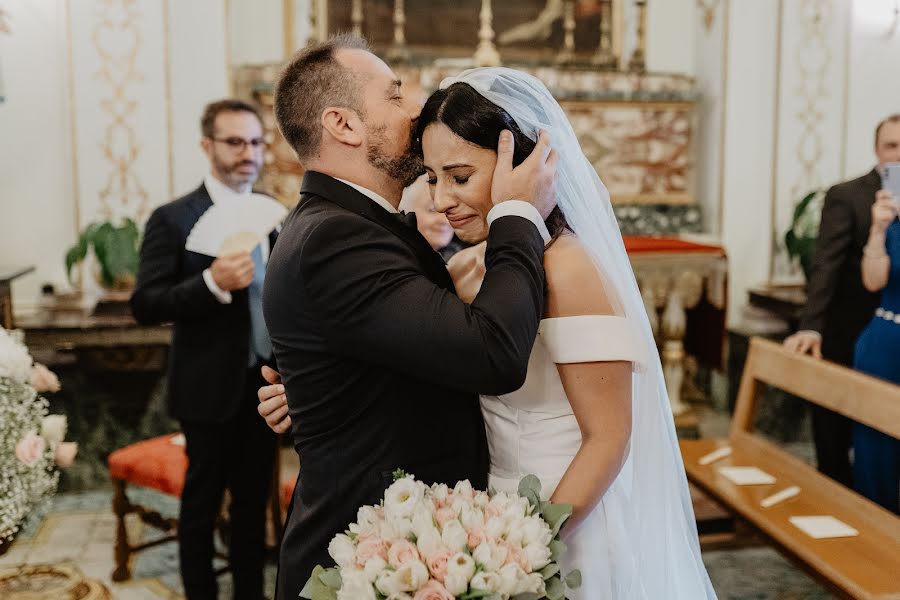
column 31, row 440
column 438, row 543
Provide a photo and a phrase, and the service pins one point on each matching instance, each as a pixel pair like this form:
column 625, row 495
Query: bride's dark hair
column 479, row 121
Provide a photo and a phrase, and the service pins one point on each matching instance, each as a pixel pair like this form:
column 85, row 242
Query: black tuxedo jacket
column 210, row 340
column 381, row 361
column 838, row 306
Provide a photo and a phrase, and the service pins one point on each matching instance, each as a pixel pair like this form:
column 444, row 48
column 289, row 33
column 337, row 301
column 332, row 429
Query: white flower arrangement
column 437, row 543
column 31, row 440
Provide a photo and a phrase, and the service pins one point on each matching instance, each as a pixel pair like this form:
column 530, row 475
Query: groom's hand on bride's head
column 273, row 405
column 533, row 181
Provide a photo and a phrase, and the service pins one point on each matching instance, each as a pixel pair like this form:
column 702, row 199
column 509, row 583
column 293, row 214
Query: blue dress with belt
column 876, row 468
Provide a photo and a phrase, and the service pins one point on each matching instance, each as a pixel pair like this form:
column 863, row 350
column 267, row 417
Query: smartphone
column 891, row 179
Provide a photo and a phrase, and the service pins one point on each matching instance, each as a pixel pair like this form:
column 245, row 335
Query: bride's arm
column 467, row 271
column 599, row 392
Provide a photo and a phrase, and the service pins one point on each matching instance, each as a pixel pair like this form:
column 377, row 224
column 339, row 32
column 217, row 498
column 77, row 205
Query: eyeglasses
column 238, row 145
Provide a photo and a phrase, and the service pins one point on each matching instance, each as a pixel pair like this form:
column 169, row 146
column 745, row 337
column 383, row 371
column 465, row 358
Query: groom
column 356, row 301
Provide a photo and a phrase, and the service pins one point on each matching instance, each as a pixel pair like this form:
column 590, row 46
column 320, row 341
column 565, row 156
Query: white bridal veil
column 642, row 538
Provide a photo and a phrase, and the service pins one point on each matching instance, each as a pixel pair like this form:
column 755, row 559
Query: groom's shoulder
column 318, row 220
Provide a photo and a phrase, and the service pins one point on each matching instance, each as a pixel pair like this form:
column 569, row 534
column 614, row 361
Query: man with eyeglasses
column 219, row 344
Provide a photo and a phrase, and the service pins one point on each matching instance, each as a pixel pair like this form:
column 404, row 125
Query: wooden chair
column 865, row 566
column 160, row 463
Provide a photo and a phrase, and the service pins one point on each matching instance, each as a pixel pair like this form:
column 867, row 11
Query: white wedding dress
column 534, row 431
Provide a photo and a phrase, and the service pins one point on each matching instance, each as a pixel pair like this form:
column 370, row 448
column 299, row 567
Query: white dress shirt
column 510, row 208
column 218, row 192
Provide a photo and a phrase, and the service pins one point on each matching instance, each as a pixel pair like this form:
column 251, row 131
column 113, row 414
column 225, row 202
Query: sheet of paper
column 821, row 527
column 746, row 475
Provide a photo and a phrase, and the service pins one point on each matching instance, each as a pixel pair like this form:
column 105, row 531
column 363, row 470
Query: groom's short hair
column 311, row 82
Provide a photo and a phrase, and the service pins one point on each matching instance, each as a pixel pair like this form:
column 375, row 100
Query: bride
column 592, row 420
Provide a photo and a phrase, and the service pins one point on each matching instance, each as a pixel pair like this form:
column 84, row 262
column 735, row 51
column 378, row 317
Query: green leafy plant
column 116, row 249
column 800, row 238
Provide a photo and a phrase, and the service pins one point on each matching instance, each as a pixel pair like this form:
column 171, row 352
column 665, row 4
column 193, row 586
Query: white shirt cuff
column 519, row 208
column 220, row 294
column 812, row 332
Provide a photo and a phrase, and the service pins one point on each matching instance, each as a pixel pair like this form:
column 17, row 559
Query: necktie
column 260, row 344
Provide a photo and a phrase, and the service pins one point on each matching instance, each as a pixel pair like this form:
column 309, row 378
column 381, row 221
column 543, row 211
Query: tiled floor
column 79, row 530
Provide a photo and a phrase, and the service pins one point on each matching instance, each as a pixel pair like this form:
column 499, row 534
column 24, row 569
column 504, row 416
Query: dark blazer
column 210, row 340
column 381, row 361
column 838, row 306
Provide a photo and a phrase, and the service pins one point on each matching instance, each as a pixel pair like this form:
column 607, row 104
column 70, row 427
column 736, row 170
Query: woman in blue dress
column 876, row 468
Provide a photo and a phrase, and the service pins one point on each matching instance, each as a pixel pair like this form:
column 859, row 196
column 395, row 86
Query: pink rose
column 433, row 590
column 437, row 565
column 401, row 553
column 476, row 538
column 370, row 548
column 443, row 516
column 515, row 555
column 30, row 449
column 65, row 454
column 43, row 379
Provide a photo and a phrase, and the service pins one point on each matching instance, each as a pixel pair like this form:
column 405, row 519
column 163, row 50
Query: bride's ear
column 343, row 125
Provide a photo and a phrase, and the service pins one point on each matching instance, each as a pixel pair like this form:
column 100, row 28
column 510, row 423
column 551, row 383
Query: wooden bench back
column 863, row 398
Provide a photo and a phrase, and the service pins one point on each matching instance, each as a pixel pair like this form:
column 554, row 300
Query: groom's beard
column 405, row 168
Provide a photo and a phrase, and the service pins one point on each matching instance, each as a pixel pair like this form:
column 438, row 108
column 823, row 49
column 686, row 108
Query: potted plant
column 116, row 249
column 800, row 238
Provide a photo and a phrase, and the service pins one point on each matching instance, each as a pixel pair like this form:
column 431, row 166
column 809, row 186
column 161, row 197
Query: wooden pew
column 866, row 566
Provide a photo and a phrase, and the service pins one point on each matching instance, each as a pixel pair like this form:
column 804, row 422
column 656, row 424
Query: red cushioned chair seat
column 639, row 244
column 287, row 491
column 155, row 463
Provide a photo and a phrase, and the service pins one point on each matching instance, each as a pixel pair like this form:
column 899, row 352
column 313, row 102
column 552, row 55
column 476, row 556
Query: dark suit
column 838, row 306
column 212, row 392
column 382, row 362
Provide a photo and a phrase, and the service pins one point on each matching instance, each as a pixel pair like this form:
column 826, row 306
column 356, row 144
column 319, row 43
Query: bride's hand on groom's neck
column 533, row 181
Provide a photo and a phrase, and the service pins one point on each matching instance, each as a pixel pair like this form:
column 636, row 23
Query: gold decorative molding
column 117, row 40
column 723, row 120
column 813, row 57
column 708, row 10
column 776, row 127
column 288, row 20
column 73, row 123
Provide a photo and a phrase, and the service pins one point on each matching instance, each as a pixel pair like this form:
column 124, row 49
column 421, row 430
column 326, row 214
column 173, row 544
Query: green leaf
column 573, row 579
column 555, row 515
column 530, row 483
column 556, row 590
column 549, row 571
column 314, row 588
column 527, row 596
column 400, row 474
column 557, row 550
column 331, row 578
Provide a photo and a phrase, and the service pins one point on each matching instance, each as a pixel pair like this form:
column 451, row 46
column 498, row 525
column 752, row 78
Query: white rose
column 456, row 584
column 516, row 509
column 536, row 531
column 514, row 533
column 482, row 499
column 422, row 520
column 341, row 549
column 487, row 581
column 401, row 498
column 495, row 527
column 402, row 527
column 399, row 596
column 464, row 489
column 490, row 556
column 411, row 576
column 53, row 429
column 510, row 577
column 461, row 565
column 367, row 518
column 355, row 586
column 429, row 543
column 500, row 501
column 538, row 556
column 374, row 567
column 454, row 536
column 387, row 583
column 440, row 491
column 471, row 518
column 15, row 362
